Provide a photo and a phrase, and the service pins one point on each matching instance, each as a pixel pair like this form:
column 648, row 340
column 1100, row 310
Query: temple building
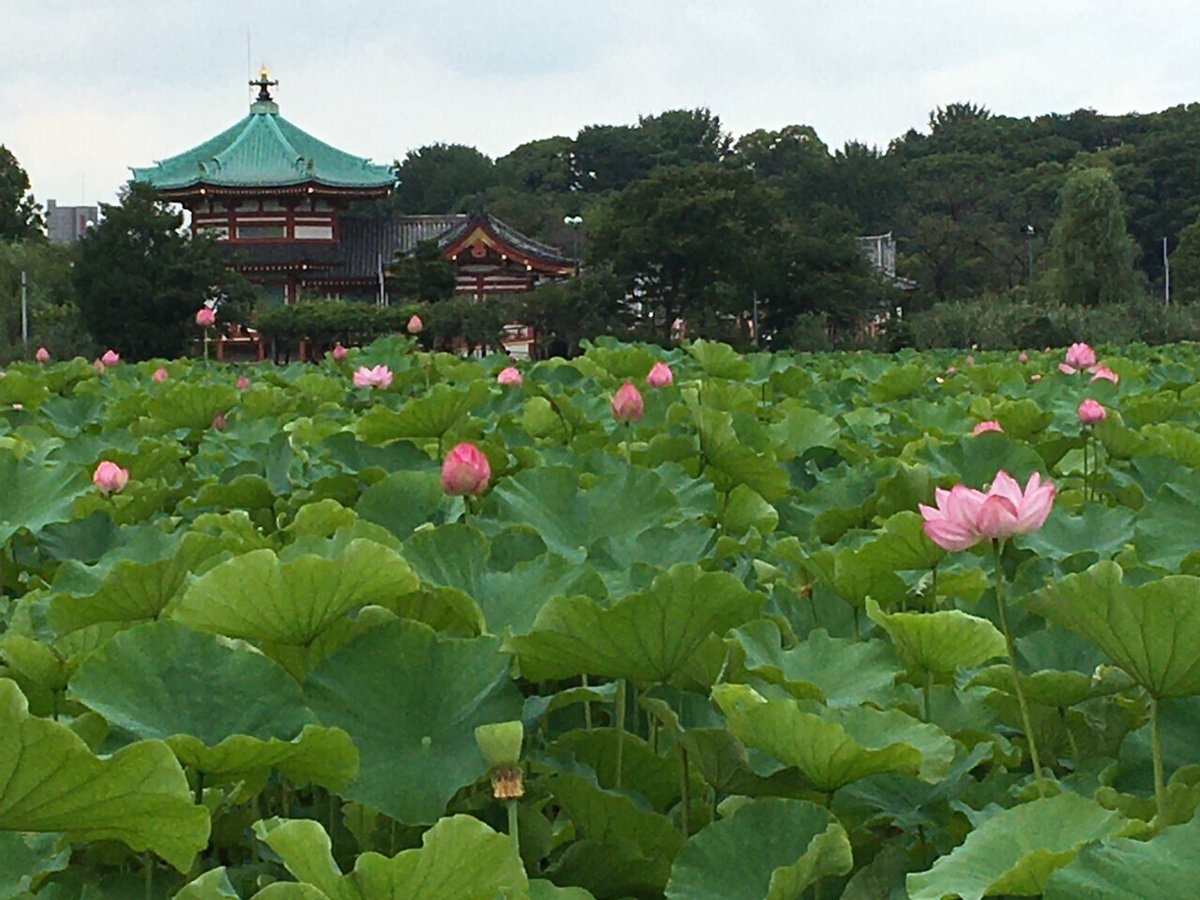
column 277, row 198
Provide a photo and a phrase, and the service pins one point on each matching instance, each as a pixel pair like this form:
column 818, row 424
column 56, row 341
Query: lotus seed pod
column 501, row 742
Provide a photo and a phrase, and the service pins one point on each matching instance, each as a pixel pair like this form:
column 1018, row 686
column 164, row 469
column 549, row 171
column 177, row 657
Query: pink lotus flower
column 989, row 425
column 953, row 370
column 1104, row 372
column 338, row 352
column 627, row 405
column 109, row 478
column 660, row 376
column 160, row 375
column 964, row 516
column 218, row 422
column 465, row 471
column 1023, row 357
column 415, row 325
column 110, row 359
column 42, row 356
column 243, row 383
column 206, row 317
column 510, row 376
column 1090, row 412
column 378, row 377
column 1079, row 357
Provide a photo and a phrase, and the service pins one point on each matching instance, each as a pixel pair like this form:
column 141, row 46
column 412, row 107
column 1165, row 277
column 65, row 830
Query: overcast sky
column 88, row 89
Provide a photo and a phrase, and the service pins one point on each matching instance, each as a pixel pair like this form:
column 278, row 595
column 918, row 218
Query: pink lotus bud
column 627, row 405
column 219, row 422
column 378, row 377
column 160, row 375
column 206, row 317
column 989, row 425
column 338, row 353
column 953, row 370
column 465, row 471
column 110, row 359
column 415, row 325
column 1091, row 412
column 1104, row 372
column 42, row 356
column 660, row 376
column 1023, row 358
column 243, row 383
column 509, row 375
column 110, row 478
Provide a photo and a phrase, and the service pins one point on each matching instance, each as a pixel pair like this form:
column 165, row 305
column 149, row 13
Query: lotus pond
column 708, row 653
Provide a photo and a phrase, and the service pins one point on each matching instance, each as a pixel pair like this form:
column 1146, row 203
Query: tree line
column 681, row 220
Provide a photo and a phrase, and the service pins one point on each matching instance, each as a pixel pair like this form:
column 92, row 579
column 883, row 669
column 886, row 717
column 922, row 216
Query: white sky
column 88, row 89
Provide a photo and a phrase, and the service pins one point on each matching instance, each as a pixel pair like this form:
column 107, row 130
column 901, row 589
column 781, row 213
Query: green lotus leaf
column 903, row 545
column 52, row 783
column 974, row 461
column 184, row 404
column 744, row 509
column 836, row 746
column 1151, row 631
column 729, row 462
column 403, row 501
column 647, row 636
column 1163, row 532
column 291, row 602
column 250, row 492
column 459, row 857
column 1163, row 868
column 430, row 416
column 540, row 889
column 802, row 429
column 941, row 641
column 571, row 514
column 222, row 708
column 1100, row 532
column 771, row 848
column 411, row 701
column 835, row 671
column 25, row 858
column 34, row 495
column 1015, row 851
column 854, row 576
column 719, row 360
column 656, row 777
column 212, row 885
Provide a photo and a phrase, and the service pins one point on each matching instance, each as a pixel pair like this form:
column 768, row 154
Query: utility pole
column 24, row 309
column 1029, row 236
column 1166, row 276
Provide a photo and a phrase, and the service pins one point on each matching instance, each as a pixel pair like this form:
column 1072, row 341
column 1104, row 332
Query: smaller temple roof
column 264, row 150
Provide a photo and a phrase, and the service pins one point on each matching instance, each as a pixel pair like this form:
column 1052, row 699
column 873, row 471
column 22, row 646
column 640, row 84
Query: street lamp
column 575, row 223
column 1030, row 234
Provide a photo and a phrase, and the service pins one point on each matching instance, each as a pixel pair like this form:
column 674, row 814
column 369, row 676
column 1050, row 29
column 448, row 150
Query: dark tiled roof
column 319, row 256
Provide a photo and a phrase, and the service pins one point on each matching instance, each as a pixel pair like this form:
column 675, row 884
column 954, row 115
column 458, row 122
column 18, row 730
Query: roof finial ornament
column 263, row 83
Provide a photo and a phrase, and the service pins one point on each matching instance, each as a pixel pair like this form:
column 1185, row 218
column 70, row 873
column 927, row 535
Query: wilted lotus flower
column 206, row 317
column 378, row 377
column 338, row 353
column 970, row 360
column 160, row 375
column 1090, row 412
column 660, row 376
column 243, row 383
column 1037, row 376
column 627, row 405
column 989, row 425
column 465, row 471
column 509, row 375
column 1104, row 372
column 415, row 325
column 42, row 356
column 110, row 478
column 1079, row 356
column 110, row 359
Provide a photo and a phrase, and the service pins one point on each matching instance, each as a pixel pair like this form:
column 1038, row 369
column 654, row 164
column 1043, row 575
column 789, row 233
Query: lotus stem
column 1160, row 791
column 927, row 690
column 1087, row 439
column 686, row 791
column 514, row 826
column 620, row 725
column 587, row 708
column 1026, row 722
column 199, row 788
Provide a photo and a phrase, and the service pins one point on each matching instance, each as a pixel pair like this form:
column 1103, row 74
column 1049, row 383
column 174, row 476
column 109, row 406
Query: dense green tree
column 682, row 240
column 563, row 314
column 538, row 166
column 1185, row 266
column 140, row 278
column 435, row 179
column 610, row 157
column 50, row 294
column 1092, row 252
column 20, row 215
column 423, row 276
column 683, row 137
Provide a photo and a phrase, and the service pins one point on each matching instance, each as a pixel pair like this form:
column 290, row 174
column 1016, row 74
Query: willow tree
column 1092, row 252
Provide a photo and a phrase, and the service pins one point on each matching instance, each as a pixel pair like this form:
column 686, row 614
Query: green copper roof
column 264, row 150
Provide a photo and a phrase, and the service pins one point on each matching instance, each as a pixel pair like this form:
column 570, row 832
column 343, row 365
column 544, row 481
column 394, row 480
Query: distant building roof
column 265, row 150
